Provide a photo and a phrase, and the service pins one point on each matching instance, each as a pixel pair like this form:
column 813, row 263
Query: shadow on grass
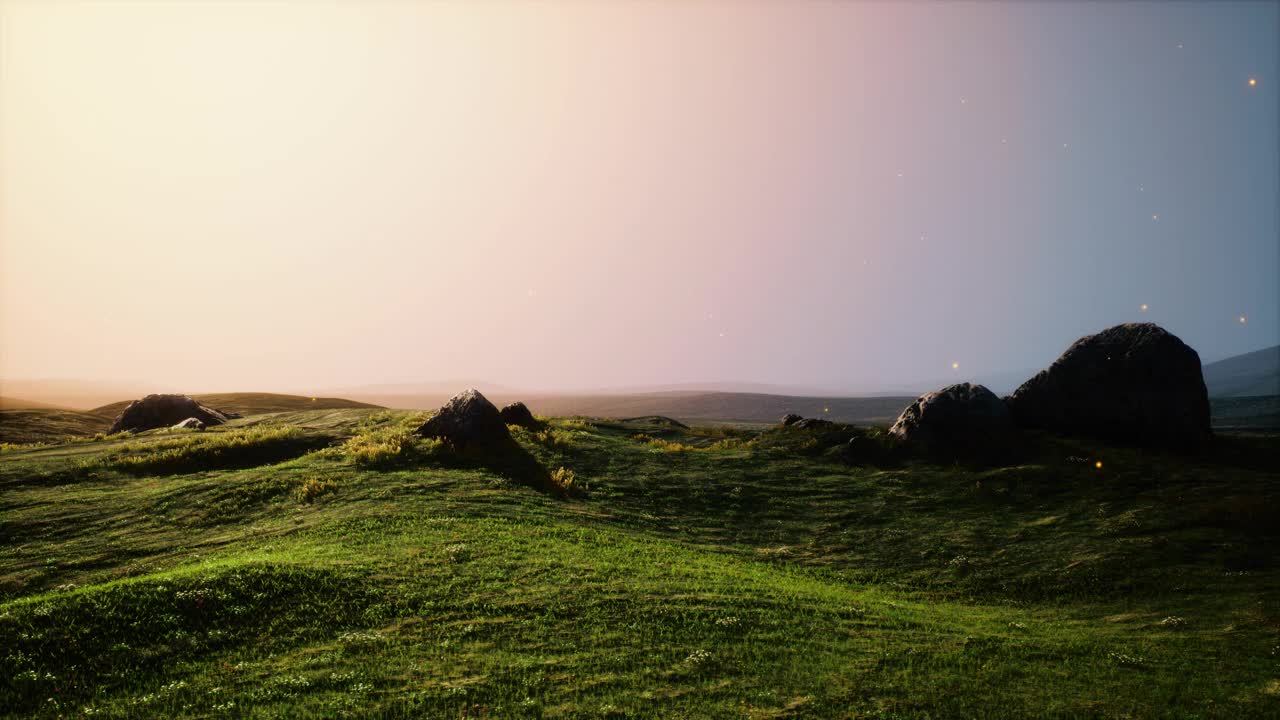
column 507, row 459
column 200, row 459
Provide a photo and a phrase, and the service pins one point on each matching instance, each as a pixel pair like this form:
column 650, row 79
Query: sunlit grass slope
column 47, row 425
column 250, row 403
column 329, row 564
column 43, row 425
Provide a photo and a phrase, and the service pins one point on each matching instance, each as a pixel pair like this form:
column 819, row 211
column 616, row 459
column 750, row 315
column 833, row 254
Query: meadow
column 327, row 563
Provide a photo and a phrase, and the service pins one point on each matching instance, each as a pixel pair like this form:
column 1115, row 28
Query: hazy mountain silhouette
column 1249, row 375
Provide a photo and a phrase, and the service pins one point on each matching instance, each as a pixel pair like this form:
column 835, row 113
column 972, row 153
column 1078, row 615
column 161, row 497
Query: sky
column 571, row 195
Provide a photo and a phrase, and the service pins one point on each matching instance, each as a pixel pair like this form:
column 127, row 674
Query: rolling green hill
column 327, row 564
column 251, row 403
column 43, row 425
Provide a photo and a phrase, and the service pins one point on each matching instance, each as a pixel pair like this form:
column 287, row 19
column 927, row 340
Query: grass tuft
column 191, row 452
column 313, row 488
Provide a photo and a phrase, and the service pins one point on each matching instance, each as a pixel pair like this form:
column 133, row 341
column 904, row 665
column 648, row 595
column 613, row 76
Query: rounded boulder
column 1135, row 383
column 158, row 411
column 962, row 418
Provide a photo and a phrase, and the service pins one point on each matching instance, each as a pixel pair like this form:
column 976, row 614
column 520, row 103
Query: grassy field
column 44, row 425
column 327, row 564
column 249, row 403
column 47, row 425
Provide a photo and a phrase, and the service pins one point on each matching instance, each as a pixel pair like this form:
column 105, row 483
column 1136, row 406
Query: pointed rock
column 467, row 419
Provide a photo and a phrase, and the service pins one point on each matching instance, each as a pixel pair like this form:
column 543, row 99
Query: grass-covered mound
column 695, row 572
column 253, row 403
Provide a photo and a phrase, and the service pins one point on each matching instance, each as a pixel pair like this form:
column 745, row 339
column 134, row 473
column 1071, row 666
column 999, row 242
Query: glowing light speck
column 1098, row 464
column 1253, row 82
column 1243, row 319
column 955, row 366
column 1143, row 308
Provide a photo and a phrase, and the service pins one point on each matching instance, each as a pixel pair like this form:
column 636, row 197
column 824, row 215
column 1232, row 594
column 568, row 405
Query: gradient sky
column 258, row 196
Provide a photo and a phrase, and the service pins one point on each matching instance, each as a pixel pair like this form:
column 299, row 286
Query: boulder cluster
column 157, row 411
column 1134, row 383
column 468, row 419
column 793, row 420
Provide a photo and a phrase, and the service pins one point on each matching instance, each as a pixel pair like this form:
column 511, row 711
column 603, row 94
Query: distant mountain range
column 1253, row 374
column 1250, row 375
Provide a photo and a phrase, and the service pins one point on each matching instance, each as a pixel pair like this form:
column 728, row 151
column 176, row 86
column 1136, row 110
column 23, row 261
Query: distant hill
column 49, row 424
column 70, row 394
column 724, row 406
column 687, row 406
column 12, row 403
column 251, row 403
column 46, row 425
column 1253, row 374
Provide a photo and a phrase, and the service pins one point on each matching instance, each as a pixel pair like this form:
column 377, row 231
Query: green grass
column 45, row 425
column 755, row 575
column 250, row 403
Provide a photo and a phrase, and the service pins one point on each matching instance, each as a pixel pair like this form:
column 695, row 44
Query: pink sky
column 557, row 195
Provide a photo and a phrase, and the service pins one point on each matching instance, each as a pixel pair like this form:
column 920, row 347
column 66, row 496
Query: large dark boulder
column 468, row 419
column 790, row 419
column 960, row 419
column 157, row 411
column 517, row 413
column 1133, row 383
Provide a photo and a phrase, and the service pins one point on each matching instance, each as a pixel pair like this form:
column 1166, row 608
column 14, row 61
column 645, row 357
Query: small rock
column 517, row 413
column 790, row 419
column 190, row 424
column 959, row 418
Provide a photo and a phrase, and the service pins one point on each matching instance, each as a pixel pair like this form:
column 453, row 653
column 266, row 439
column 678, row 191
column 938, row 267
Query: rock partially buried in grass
column 158, row 411
column 862, row 449
column 468, row 419
column 790, row 419
column 190, row 424
column 517, row 413
column 1133, row 383
column 960, row 419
